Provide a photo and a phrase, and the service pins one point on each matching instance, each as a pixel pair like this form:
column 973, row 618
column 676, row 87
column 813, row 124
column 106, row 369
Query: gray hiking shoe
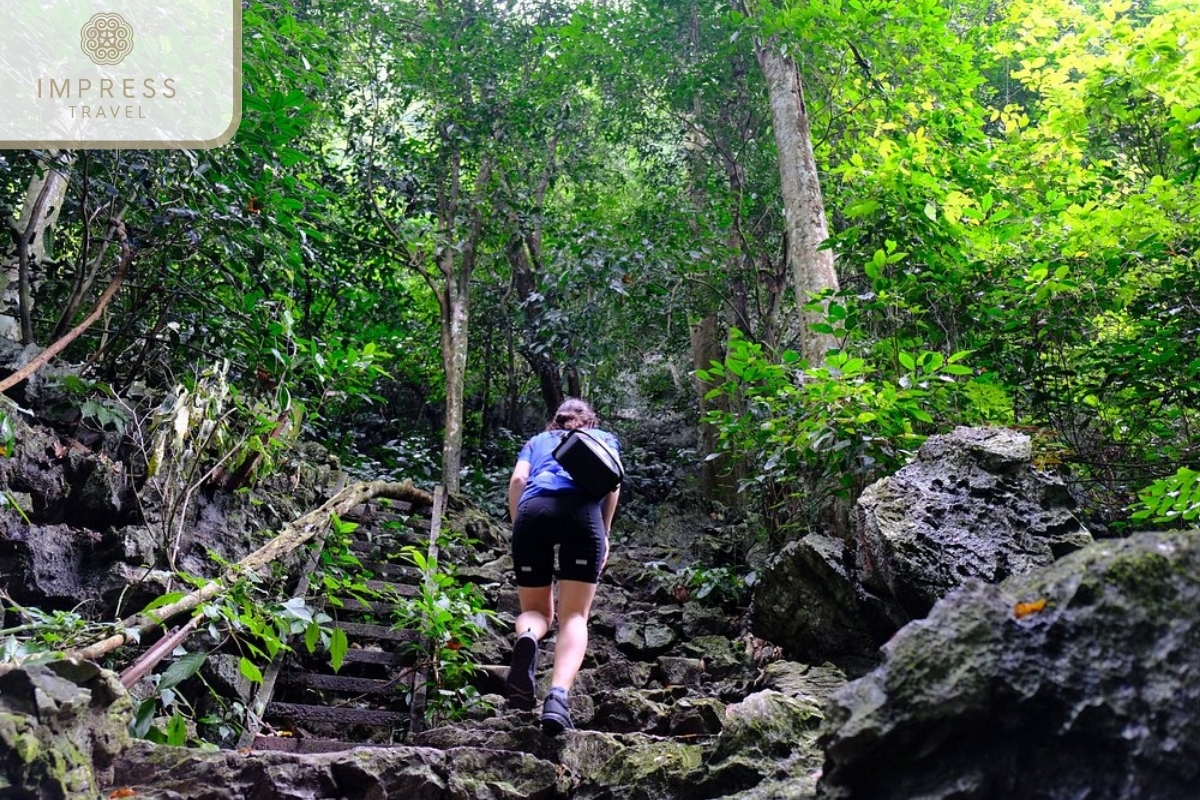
column 521, row 677
column 556, row 716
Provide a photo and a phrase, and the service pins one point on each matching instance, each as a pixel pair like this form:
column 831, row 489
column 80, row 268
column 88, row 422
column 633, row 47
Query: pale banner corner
column 99, row 74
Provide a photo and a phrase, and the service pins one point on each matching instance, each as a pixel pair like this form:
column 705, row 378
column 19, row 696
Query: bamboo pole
column 293, row 535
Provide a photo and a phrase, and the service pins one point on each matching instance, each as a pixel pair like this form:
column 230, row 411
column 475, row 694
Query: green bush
column 819, row 434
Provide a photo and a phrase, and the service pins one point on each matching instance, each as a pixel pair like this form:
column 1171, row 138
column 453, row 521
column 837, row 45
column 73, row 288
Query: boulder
column 57, row 565
column 64, row 480
column 1081, row 679
column 810, row 602
column 62, row 724
column 632, row 768
column 970, row 506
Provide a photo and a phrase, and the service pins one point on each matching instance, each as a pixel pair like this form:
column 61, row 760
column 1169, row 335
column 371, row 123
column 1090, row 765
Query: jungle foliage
column 474, row 208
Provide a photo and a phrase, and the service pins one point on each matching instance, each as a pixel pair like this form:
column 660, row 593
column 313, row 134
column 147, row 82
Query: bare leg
column 537, row 610
column 574, row 606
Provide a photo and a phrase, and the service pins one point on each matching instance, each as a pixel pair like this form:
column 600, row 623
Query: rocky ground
column 1019, row 657
column 676, row 699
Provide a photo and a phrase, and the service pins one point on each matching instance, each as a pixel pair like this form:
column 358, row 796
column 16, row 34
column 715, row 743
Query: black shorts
column 571, row 522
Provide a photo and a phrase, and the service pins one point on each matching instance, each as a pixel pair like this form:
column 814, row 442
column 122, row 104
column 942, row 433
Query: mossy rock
column 1080, row 679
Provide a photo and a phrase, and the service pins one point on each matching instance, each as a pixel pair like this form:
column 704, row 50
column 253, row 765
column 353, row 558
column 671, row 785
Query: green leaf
column 249, row 671
column 860, row 208
column 338, row 646
column 183, row 668
column 166, row 599
column 142, row 720
column 177, row 730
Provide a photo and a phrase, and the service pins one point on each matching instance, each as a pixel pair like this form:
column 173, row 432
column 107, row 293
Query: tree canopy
column 446, row 216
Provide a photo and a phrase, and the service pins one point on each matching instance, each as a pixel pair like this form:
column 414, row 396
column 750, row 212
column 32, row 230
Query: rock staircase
column 674, row 701
column 304, row 706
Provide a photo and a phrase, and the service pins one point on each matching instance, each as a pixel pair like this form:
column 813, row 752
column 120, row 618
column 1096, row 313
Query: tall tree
column 443, row 130
column 805, row 222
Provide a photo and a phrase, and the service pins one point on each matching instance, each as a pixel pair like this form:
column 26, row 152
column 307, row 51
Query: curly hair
column 572, row 413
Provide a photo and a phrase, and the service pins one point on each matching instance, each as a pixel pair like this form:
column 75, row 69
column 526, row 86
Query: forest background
column 820, row 231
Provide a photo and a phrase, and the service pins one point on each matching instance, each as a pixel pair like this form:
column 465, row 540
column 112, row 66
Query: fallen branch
column 149, row 659
column 293, row 535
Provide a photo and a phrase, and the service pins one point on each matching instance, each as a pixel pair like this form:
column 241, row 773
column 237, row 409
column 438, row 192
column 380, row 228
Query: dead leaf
column 1022, row 610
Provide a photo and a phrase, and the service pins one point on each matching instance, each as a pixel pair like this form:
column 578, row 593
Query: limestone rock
column 721, row 657
column 813, row 684
column 1081, row 679
column 164, row 773
column 768, row 737
column 61, row 726
column 810, row 602
column 702, row 620
column 676, row 671
column 697, row 717
column 635, row 768
column 970, row 506
column 643, row 640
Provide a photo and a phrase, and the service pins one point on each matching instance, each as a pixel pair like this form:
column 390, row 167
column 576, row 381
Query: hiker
column 549, row 510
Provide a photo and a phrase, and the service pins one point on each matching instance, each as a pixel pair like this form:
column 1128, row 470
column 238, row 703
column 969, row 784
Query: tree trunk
column 805, row 223
column 457, row 269
column 456, row 317
column 58, row 346
column 39, row 213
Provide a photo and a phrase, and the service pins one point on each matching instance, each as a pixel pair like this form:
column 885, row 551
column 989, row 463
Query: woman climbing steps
column 549, row 511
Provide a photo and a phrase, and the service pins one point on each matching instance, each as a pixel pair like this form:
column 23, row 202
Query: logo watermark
column 107, row 39
column 120, row 73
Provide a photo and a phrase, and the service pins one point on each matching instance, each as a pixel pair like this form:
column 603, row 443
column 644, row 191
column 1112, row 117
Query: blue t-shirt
column 546, row 475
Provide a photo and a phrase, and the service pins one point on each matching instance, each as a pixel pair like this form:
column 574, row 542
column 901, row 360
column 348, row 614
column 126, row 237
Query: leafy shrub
column 450, row 618
column 824, row 432
column 1174, row 500
column 721, row 587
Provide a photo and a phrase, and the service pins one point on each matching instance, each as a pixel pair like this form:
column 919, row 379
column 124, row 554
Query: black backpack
column 594, row 466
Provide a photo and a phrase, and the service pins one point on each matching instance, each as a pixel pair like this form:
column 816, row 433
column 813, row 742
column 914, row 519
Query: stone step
column 346, row 684
column 378, row 633
column 287, row 744
column 313, row 714
column 374, row 509
column 389, row 571
column 357, row 656
column 389, row 548
column 352, row 605
column 402, row 589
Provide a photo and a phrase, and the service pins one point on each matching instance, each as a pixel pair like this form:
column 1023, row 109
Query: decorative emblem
column 106, row 39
